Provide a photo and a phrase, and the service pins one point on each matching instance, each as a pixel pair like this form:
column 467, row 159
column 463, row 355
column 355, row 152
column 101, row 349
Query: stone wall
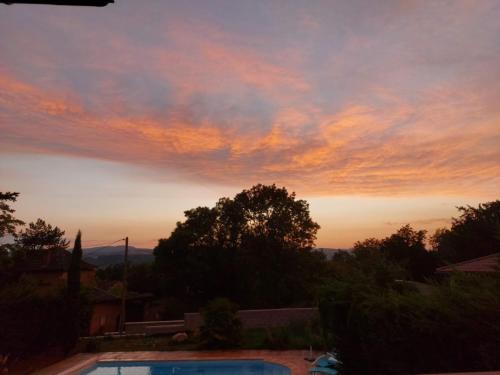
column 260, row 318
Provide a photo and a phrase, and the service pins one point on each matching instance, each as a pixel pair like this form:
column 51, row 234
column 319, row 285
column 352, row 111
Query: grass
column 136, row 343
column 294, row 336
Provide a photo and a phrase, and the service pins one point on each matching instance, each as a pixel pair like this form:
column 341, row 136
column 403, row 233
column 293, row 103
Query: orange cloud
column 322, row 110
column 358, row 150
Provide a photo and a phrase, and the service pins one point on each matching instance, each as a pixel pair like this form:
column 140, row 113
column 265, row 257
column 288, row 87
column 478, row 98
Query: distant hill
column 328, row 251
column 109, row 255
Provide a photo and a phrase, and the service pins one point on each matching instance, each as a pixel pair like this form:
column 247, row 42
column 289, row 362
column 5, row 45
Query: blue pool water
column 229, row 367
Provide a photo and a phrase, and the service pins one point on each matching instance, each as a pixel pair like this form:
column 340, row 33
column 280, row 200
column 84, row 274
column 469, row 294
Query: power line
column 106, row 243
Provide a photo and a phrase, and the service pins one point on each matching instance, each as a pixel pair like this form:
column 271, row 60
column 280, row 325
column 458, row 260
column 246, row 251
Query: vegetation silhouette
column 255, row 249
column 378, row 302
column 475, row 233
column 41, row 236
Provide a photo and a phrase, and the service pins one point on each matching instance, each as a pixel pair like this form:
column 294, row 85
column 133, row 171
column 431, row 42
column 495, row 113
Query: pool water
column 225, row 367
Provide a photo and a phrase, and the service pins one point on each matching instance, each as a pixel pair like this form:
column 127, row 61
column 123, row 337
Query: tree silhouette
column 8, row 222
column 74, row 268
column 73, row 294
column 407, row 248
column 254, row 249
column 475, row 233
column 41, row 236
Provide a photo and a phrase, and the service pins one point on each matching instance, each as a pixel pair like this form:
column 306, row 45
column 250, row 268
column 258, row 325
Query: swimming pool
column 215, row 367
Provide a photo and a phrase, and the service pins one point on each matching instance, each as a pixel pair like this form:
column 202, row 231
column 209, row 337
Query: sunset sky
column 379, row 113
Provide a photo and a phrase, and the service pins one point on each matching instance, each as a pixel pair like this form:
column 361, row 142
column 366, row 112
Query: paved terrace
column 293, row 359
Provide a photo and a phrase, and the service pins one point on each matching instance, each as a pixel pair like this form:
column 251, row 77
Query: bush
column 34, row 322
column 387, row 330
column 296, row 335
column 30, row 322
column 221, row 326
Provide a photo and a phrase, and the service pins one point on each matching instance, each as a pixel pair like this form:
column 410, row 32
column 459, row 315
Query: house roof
column 488, row 263
column 53, row 260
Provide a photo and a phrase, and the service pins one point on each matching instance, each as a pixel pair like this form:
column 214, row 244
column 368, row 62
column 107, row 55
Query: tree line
column 32, row 321
column 257, row 250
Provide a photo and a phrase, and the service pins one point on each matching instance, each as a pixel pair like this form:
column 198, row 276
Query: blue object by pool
column 325, row 364
column 225, row 367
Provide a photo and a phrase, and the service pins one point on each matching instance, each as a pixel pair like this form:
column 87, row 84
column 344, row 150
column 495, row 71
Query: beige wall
column 261, row 318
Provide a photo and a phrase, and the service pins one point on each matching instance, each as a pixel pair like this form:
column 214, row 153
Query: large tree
column 271, row 213
column 8, row 226
column 8, row 223
column 254, row 249
column 405, row 248
column 41, row 236
column 475, row 233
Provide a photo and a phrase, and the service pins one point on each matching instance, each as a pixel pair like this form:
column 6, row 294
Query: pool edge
column 292, row 359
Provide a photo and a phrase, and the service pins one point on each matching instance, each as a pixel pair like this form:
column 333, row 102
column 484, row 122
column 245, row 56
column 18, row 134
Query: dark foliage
column 74, row 268
column 73, row 296
column 391, row 328
column 254, row 249
column 141, row 278
column 34, row 322
column 221, row 327
column 475, row 233
column 41, row 236
column 406, row 248
column 296, row 335
column 8, row 222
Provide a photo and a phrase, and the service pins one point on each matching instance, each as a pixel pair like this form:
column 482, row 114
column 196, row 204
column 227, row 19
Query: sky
column 115, row 120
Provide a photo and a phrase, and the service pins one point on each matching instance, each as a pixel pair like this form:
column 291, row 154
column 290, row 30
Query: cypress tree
column 74, row 268
column 73, row 304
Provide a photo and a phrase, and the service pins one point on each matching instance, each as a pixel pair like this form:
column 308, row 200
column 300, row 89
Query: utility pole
column 124, row 288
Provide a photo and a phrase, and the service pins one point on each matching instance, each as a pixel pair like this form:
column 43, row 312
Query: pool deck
column 293, row 359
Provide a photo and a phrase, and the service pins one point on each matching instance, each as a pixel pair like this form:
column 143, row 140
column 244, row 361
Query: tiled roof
column 50, row 260
column 488, row 263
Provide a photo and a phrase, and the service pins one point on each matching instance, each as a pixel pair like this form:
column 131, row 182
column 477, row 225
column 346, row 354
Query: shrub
column 31, row 323
column 221, row 326
column 296, row 335
column 386, row 330
column 34, row 322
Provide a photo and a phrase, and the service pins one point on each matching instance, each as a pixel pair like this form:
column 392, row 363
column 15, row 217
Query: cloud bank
column 328, row 98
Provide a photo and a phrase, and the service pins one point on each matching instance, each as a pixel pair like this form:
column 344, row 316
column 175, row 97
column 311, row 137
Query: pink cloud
column 327, row 111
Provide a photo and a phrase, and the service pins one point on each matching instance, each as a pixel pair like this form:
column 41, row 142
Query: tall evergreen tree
column 41, row 236
column 8, row 226
column 8, row 222
column 74, row 268
column 73, row 315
